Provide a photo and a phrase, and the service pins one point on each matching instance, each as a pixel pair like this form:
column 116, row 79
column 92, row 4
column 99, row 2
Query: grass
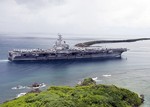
column 87, row 94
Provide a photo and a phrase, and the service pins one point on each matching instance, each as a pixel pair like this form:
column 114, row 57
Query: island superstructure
column 61, row 50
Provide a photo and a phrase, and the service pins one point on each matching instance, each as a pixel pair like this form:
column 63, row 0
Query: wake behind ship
column 61, row 50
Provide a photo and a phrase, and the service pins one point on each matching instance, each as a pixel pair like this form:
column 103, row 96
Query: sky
column 97, row 17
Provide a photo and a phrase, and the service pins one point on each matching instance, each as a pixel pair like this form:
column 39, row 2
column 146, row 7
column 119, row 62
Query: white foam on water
column 4, row 60
column 40, row 86
column 21, row 94
column 28, row 87
column 18, row 87
column 106, row 75
column 96, row 79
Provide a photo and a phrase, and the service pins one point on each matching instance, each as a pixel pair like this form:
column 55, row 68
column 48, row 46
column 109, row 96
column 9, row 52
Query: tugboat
column 61, row 50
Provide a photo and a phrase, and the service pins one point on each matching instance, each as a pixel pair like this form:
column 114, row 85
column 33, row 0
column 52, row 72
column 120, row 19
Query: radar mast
column 59, row 39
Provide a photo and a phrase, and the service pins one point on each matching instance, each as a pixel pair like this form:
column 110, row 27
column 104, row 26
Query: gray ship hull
column 93, row 56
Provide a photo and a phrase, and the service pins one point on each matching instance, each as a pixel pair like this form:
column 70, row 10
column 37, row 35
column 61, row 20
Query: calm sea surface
column 132, row 71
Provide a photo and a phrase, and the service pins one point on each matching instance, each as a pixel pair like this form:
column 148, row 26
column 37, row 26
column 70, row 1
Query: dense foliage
column 80, row 96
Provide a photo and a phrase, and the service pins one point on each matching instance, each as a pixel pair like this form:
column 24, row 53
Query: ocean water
column 132, row 71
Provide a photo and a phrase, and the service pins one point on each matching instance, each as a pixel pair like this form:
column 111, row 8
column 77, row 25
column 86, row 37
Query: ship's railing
column 33, row 50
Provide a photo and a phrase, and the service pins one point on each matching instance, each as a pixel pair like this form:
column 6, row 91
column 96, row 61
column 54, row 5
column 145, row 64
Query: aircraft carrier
column 61, row 50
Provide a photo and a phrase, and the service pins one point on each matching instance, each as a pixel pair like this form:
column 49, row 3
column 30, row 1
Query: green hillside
column 87, row 94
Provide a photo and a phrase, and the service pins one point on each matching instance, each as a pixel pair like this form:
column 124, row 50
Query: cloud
column 103, row 17
column 39, row 4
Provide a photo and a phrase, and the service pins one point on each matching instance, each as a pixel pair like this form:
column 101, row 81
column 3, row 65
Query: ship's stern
column 10, row 56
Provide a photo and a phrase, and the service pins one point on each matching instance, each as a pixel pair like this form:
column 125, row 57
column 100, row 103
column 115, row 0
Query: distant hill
column 89, row 43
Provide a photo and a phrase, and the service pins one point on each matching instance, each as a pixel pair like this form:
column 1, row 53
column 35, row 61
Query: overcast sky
column 101, row 17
